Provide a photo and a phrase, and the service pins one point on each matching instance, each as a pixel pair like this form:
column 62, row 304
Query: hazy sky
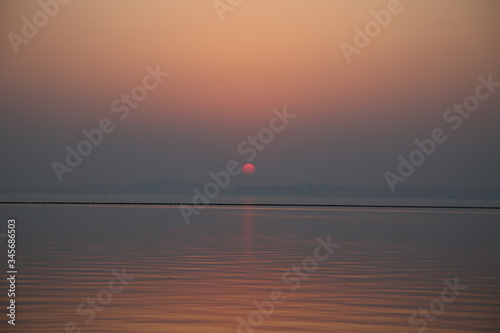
column 353, row 119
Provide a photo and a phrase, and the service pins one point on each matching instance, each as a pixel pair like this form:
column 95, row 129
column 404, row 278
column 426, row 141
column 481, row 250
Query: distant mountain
column 310, row 189
column 157, row 186
column 179, row 187
column 160, row 186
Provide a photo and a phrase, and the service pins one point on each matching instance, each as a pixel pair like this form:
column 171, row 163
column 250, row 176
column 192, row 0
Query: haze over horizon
column 250, row 165
column 352, row 121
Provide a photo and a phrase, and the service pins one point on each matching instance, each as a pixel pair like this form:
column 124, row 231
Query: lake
column 254, row 269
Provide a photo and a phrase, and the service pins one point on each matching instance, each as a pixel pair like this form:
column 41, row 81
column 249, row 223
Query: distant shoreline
column 80, row 203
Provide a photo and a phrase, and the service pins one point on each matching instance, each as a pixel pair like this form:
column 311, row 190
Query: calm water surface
column 202, row 277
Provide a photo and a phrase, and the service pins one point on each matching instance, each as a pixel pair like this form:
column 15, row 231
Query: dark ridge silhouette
column 157, row 186
column 169, row 186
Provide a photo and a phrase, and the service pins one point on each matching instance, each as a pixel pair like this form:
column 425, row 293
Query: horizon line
column 83, row 203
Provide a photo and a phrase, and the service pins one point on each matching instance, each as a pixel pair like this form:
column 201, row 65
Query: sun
column 248, row 169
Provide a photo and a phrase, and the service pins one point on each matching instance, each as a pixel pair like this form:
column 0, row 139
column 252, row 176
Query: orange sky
column 229, row 74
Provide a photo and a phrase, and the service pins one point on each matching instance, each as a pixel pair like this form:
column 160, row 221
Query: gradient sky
column 353, row 120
